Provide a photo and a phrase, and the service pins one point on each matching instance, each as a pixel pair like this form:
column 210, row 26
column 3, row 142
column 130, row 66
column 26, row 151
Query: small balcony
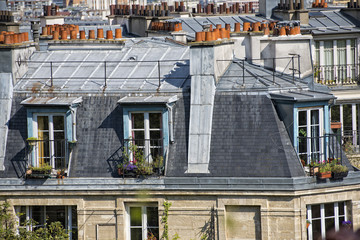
column 40, row 152
column 142, row 158
column 337, row 75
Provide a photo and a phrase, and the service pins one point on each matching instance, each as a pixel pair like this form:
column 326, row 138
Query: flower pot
column 324, row 175
column 120, row 171
column 307, row 225
column 314, row 170
column 339, row 175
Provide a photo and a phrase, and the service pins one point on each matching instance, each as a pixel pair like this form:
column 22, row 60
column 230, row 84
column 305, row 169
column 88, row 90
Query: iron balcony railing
column 142, row 157
column 344, row 74
column 52, row 152
column 320, row 148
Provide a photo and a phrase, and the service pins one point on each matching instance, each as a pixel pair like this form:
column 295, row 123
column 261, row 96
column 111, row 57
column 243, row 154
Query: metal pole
column 159, row 74
column 105, row 72
column 299, row 66
column 243, row 61
column 273, row 70
column 293, row 70
column 51, row 73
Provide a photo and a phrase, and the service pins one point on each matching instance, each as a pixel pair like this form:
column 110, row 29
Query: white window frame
column 51, row 136
column 147, row 130
column 143, row 218
column 69, row 225
column 308, row 131
column 322, row 218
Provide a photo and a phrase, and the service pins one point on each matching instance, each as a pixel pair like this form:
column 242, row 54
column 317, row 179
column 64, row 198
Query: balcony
column 142, row 158
column 337, row 75
column 47, row 152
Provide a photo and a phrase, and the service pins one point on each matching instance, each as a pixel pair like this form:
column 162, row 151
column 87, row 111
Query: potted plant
column 61, row 173
column 324, row 171
column 158, row 164
column 339, row 171
column 32, row 141
column 39, row 172
column 314, row 168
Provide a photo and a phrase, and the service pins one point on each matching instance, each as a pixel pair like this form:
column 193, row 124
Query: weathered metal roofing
column 302, row 96
column 148, row 99
column 248, row 76
column 53, row 101
column 192, row 25
column 133, row 67
column 331, row 22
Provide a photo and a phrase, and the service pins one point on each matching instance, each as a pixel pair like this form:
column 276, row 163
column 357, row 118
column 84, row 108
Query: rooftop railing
column 337, row 75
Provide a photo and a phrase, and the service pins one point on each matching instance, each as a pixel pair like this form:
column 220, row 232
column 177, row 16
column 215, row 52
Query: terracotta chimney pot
column 216, row 34
column 100, row 33
column 109, row 35
column 91, row 34
column 208, row 36
column 118, row 33
column 218, row 26
column 292, row 31
column 223, row 33
column 2, row 38
column 55, row 35
column 227, row 26
column 246, row 27
column 266, row 31
column 73, row 35
column 64, row 35
column 8, row 39
column 237, row 27
column 198, row 37
column 203, row 36
column 282, row 31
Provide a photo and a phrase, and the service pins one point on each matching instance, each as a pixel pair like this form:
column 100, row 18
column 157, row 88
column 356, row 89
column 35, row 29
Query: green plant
column 339, row 169
column 164, row 219
column 31, row 139
column 325, row 168
column 46, row 168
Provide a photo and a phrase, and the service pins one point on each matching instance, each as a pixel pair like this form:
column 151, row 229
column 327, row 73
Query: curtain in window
column 341, row 54
column 329, row 60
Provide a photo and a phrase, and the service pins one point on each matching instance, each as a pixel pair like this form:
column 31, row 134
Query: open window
column 51, row 129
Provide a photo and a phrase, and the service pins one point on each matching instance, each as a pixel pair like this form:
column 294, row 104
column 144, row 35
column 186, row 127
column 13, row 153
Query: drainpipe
column 73, row 118
column 171, row 123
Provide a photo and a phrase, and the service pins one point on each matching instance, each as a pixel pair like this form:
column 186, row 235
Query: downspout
column 73, row 134
column 171, row 123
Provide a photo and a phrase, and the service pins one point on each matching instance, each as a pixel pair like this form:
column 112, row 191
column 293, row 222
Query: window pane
column 55, row 214
column 302, row 118
column 43, row 122
column 155, row 135
column 135, row 217
column 341, row 208
column 38, row 215
column 329, row 224
column 58, row 122
column 152, row 216
column 136, row 234
column 314, row 117
column 316, row 229
column 329, row 209
column 315, row 210
column 155, row 120
column 140, row 136
column 137, row 120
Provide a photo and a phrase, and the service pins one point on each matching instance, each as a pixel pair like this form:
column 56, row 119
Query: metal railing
column 103, row 70
column 345, row 74
column 283, row 67
column 52, row 152
column 320, row 148
column 140, row 153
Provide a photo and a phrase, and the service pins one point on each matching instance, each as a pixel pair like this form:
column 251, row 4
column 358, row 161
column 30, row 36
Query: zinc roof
column 133, row 67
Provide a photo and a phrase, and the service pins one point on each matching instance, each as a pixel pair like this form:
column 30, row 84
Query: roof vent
column 133, row 58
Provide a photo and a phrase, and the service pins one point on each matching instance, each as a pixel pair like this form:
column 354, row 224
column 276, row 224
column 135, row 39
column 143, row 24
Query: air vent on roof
column 133, row 58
